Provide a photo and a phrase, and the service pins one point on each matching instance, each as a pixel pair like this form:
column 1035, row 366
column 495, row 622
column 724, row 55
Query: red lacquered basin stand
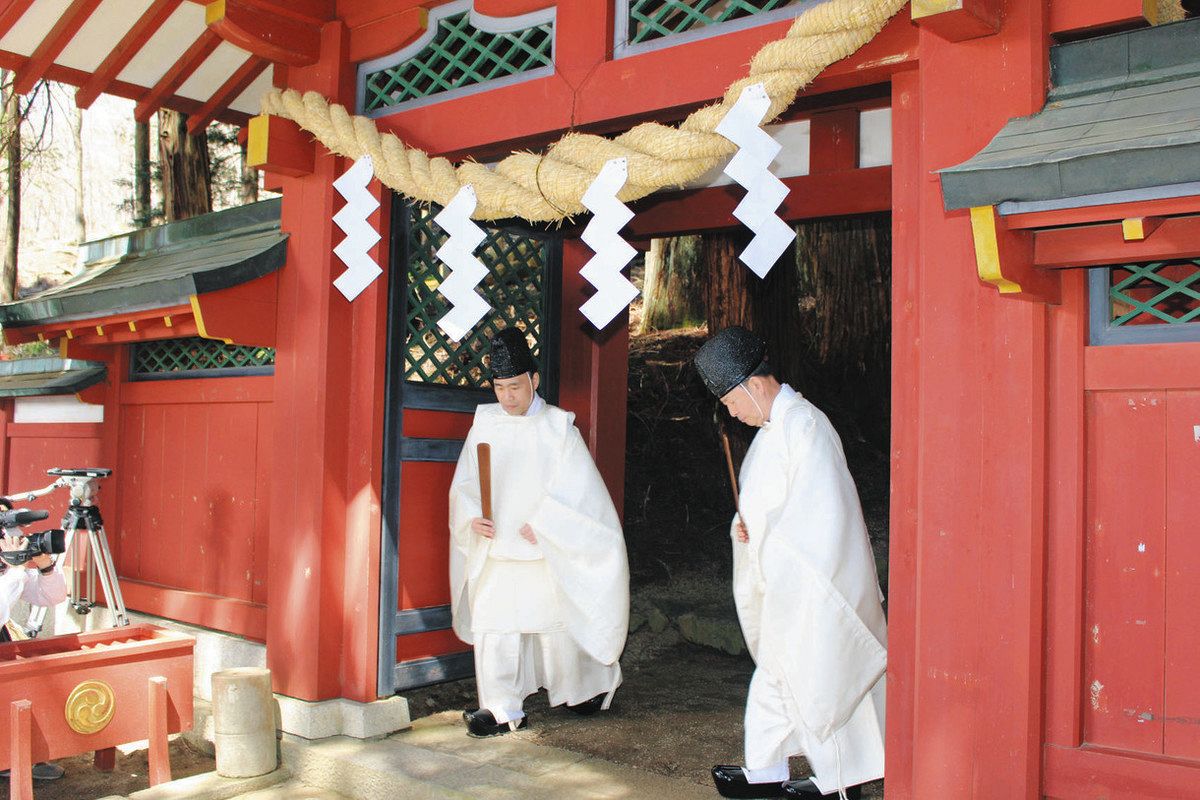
column 89, row 692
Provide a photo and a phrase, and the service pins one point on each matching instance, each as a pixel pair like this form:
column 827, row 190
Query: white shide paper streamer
column 466, row 271
column 603, row 270
column 361, row 236
column 751, row 168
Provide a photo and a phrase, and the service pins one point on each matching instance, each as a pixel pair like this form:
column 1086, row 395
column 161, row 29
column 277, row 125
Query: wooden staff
column 732, row 475
column 484, row 452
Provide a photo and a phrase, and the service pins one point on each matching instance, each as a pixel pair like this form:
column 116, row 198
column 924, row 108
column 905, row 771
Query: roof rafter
column 201, row 49
column 237, row 83
column 10, row 12
column 59, row 37
column 126, row 49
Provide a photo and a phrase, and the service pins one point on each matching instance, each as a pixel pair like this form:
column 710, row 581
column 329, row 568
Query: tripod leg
column 79, row 555
column 92, row 567
column 108, row 576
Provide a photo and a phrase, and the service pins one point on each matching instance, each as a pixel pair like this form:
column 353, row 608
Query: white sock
column 777, row 773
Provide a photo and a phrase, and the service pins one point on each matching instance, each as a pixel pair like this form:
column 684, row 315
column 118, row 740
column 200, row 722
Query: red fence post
column 20, row 777
column 160, row 758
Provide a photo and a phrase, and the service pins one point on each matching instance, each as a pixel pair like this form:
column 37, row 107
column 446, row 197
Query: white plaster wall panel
column 55, row 408
column 216, row 69
column 250, row 101
column 165, row 47
column 875, row 138
column 792, row 161
column 100, row 35
column 24, row 37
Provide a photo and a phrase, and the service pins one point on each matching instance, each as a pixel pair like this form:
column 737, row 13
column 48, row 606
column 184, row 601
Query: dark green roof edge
column 123, row 300
column 262, row 213
column 1107, row 69
column 1146, row 55
column 66, row 303
column 33, row 377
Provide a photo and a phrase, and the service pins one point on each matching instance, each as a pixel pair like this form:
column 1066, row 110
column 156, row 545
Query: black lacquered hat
column 729, row 358
column 509, row 354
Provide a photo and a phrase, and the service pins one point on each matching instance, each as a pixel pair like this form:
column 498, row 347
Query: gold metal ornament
column 90, row 707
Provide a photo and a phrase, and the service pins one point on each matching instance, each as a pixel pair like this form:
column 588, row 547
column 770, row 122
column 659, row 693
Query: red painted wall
column 193, row 470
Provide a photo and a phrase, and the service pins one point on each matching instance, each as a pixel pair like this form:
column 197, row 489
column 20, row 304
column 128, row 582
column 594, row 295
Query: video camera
column 49, row 542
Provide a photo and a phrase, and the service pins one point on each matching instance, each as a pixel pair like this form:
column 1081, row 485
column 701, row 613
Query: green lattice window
column 1156, row 301
column 647, row 20
column 459, row 55
column 198, row 358
column 518, row 288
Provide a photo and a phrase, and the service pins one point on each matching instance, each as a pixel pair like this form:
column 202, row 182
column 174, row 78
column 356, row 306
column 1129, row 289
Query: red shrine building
column 282, row 453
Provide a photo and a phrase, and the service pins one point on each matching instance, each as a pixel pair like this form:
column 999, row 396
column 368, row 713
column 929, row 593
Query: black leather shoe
column 731, row 782
column 481, row 724
column 589, row 707
column 807, row 789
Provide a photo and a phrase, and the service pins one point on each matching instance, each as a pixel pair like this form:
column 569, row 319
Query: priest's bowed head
column 733, row 365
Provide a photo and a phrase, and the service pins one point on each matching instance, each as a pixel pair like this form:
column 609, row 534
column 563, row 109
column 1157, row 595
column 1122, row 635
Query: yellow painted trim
column 929, row 8
column 99, row 330
column 1150, row 11
column 70, row 333
column 987, row 250
column 200, row 327
column 1133, row 229
column 256, row 140
column 62, row 348
column 214, row 12
column 41, row 337
column 132, row 326
column 168, row 322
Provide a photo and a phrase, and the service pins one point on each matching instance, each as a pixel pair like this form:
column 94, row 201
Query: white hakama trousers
column 852, row 755
column 521, row 645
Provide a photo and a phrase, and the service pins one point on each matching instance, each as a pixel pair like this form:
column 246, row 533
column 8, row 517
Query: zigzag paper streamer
column 603, row 270
column 466, row 271
column 751, row 168
column 361, row 236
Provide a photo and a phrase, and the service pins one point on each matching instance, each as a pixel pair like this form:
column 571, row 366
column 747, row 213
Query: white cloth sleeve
column 44, row 590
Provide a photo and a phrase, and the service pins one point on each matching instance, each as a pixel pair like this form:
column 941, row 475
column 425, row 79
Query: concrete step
column 292, row 790
column 436, row 760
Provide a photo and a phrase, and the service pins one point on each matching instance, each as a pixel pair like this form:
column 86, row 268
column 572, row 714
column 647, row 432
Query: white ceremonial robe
column 550, row 615
column 809, row 603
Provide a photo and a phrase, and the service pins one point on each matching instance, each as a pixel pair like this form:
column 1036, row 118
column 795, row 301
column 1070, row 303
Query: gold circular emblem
column 90, row 707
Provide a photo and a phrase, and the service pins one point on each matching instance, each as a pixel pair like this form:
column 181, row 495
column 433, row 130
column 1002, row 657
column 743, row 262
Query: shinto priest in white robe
column 809, row 603
column 553, row 614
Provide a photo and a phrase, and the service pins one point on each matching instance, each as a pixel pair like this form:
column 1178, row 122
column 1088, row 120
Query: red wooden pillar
column 968, row 504
column 907, row 172
column 593, row 380
column 323, row 563
column 6, row 415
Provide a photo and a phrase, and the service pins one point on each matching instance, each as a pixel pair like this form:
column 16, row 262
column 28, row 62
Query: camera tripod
column 90, row 556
